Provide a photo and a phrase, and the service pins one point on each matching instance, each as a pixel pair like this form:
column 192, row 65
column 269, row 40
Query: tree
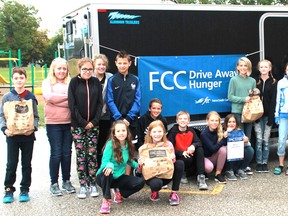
column 48, row 54
column 18, row 25
column 41, row 42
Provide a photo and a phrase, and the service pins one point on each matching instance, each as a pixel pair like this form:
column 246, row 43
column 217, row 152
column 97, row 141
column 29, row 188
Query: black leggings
column 127, row 185
column 156, row 183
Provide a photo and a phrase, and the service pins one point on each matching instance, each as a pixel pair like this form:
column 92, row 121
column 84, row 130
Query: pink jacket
column 56, row 110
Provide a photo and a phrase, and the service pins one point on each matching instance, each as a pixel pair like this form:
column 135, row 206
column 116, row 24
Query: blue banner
column 197, row 84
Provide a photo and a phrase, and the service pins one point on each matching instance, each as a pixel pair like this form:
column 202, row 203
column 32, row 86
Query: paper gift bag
column 252, row 110
column 158, row 162
column 19, row 116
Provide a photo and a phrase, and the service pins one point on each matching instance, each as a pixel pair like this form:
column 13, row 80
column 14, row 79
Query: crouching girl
column 166, row 169
column 118, row 152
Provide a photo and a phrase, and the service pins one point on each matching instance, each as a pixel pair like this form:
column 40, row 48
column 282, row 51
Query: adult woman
column 85, row 103
column 58, row 124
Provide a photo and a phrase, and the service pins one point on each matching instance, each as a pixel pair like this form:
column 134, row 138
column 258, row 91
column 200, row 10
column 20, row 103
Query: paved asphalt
column 262, row 194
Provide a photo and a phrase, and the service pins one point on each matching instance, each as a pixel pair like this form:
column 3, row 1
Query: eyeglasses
column 87, row 70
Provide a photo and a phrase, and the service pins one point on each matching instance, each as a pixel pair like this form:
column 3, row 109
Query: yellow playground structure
column 3, row 81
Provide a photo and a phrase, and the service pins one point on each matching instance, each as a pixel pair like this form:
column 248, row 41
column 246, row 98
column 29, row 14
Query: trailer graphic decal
column 197, row 84
column 122, row 19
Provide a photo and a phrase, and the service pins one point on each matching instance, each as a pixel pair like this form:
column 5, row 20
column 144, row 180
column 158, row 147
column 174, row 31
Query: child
column 118, row 152
column 156, row 136
column 281, row 119
column 124, row 95
column 214, row 146
column 238, row 91
column 58, row 124
column 23, row 142
column 101, row 65
column 85, row 103
column 188, row 147
column 231, row 123
column 153, row 113
column 268, row 89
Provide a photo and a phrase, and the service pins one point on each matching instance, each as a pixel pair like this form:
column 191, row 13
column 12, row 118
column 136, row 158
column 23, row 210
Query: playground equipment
column 3, row 80
column 17, row 62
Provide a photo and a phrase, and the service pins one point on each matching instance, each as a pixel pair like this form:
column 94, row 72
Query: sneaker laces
column 93, row 189
column 82, row 189
column 174, row 197
column 68, row 184
column 201, row 179
column 105, row 203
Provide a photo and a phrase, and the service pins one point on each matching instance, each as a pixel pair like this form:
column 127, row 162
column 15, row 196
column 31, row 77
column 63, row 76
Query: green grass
column 41, row 115
column 38, row 75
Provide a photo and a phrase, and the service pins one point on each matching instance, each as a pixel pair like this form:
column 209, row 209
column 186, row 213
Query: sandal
column 278, row 170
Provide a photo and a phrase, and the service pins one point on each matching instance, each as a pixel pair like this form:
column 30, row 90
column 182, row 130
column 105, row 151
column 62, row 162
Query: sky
column 51, row 12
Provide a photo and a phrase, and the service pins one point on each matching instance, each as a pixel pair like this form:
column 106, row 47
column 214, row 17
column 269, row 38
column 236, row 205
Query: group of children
column 84, row 108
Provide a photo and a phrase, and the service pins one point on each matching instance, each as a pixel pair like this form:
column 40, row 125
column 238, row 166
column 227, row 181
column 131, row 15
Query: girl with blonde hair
column 238, row 91
column 58, row 124
column 214, row 145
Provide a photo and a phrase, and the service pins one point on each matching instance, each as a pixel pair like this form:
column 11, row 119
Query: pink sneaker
column 174, row 199
column 105, row 207
column 117, row 198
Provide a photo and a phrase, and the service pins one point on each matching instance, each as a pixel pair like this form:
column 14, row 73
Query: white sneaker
column 82, row 193
column 93, row 191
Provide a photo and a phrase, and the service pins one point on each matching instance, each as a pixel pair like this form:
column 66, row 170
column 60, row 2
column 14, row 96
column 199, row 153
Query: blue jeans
column 262, row 131
column 282, row 136
column 60, row 139
column 246, row 127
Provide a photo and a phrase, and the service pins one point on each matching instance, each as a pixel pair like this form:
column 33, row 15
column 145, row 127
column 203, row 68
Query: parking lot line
column 216, row 190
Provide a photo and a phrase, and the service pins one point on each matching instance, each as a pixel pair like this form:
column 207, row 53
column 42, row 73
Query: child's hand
column 89, row 126
column 127, row 123
column 245, row 139
column 247, row 99
column 8, row 133
column 225, row 134
column 28, row 133
column 186, row 154
column 191, row 149
column 107, row 171
column 229, row 129
column 141, row 161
